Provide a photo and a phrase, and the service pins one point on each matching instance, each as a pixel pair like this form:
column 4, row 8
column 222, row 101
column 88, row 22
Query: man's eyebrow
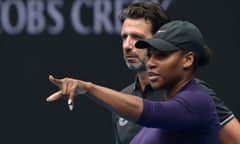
column 138, row 35
column 141, row 36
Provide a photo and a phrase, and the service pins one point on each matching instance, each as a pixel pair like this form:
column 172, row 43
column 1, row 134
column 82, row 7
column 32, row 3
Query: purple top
column 189, row 118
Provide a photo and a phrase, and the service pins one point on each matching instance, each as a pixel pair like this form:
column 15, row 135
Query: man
column 142, row 20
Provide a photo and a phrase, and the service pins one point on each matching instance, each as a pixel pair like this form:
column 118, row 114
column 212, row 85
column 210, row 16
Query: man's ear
column 188, row 60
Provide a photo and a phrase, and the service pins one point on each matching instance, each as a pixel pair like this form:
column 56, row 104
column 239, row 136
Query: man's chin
column 136, row 68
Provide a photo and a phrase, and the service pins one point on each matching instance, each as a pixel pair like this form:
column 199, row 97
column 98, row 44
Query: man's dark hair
column 149, row 11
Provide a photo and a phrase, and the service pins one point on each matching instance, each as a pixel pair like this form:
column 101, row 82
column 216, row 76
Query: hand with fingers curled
column 68, row 88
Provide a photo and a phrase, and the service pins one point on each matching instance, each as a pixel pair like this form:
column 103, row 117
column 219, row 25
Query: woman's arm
column 124, row 105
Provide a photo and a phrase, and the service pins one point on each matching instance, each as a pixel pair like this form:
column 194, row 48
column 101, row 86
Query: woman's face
column 166, row 69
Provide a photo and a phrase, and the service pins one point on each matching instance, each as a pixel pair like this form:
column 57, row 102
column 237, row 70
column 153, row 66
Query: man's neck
column 143, row 79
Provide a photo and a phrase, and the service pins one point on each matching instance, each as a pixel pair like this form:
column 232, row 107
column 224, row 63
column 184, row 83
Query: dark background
column 27, row 60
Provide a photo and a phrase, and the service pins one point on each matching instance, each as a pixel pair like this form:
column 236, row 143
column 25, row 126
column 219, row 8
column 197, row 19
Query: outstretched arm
column 120, row 103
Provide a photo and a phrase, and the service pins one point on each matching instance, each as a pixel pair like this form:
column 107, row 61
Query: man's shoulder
column 129, row 88
column 224, row 113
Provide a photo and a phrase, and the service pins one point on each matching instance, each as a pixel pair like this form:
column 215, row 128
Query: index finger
column 54, row 96
column 55, row 81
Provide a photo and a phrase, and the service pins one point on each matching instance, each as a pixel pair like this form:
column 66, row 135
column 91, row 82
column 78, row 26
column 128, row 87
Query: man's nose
column 128, row 43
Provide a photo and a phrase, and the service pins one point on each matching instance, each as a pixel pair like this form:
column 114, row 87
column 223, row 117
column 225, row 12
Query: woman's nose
column 150, row 63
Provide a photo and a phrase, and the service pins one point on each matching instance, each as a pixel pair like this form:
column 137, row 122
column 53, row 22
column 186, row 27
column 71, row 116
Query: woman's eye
column 149, row 53
column 162, row 54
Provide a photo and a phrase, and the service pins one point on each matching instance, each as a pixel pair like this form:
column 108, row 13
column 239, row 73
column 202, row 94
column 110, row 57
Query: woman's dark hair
column 204, row 58
column 149, row 11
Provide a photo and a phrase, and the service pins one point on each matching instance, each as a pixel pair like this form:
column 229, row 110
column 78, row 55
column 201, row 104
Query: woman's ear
column 188, row 60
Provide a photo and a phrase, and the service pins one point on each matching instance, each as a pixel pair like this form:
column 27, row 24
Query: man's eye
column 123, row 37
column 137, row 37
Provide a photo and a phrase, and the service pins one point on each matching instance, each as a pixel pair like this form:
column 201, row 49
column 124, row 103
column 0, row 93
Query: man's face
column 133, row 30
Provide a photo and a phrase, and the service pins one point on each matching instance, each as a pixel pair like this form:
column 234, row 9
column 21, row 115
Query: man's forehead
column 137, row 34
column 138, row 23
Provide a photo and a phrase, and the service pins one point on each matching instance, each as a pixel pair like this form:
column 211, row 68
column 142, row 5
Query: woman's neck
column 171, row 92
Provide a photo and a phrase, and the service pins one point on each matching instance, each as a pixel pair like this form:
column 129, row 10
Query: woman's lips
column 152, row 76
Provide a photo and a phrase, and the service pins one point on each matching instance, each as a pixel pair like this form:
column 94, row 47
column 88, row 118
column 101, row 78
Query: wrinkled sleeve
column 181, row 112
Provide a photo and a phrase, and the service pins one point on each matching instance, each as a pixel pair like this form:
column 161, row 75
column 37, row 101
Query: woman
column 187, row 116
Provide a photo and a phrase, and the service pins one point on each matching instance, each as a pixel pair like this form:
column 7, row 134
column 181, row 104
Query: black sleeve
column 114, row 122
column 124, row 134
column 224, row 113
